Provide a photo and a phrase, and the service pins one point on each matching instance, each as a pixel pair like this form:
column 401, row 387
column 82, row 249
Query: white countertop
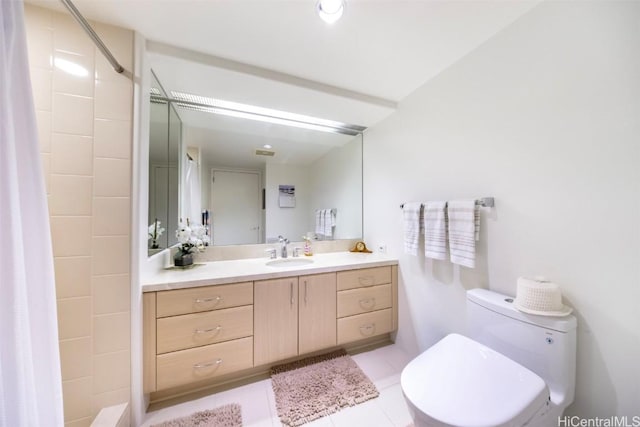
column 242, row 270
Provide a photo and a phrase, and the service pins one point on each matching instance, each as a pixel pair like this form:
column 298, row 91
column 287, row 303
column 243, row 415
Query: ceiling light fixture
column 330, row 10
column 252, row 112
column 267, row 146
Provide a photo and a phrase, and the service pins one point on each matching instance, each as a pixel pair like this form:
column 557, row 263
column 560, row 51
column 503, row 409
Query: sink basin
column 289, row 262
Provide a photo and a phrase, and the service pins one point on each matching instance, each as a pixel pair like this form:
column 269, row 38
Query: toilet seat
column 460, row 382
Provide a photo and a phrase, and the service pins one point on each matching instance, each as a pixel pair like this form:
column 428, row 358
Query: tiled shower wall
column 84, row 117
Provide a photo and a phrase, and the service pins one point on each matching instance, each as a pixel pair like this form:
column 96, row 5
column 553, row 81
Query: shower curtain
column 30, row 379
column 192, row 193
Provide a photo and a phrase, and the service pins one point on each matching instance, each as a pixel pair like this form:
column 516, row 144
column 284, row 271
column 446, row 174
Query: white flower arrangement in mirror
column 155, row 231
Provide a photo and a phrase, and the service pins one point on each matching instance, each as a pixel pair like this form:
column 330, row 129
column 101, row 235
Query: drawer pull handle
column 207, row 364
column 368, row 303
column 366, row 281
column 217, row 300
column 305, row 292
column 291, row 293
column 368, row 330
column 206, row 331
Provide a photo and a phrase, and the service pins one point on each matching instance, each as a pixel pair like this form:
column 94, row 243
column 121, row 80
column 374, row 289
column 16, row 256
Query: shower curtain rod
column 92, row 34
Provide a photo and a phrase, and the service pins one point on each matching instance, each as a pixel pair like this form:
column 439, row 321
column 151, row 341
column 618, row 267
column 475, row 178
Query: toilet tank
column 546, row 345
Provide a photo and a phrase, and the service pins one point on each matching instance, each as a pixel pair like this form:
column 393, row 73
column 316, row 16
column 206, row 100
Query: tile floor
column 383, row 366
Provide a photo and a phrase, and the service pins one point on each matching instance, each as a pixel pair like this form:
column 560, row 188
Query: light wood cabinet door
column 275, row 316
column 317, row 312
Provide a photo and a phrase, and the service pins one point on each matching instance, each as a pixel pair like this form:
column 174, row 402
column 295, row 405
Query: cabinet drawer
column 364, row 277
column 198, row 329
column 205, row 298
column 196, row 364
column 364, row 300
column 363, row 326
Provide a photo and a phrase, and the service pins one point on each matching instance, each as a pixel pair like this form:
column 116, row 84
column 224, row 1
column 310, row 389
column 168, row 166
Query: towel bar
column 485, row 202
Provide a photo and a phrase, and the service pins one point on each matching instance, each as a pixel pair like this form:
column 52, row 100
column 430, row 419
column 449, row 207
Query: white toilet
column 516, row 369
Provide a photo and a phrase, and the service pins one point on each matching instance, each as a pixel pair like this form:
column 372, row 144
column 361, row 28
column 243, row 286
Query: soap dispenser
column 307, row 246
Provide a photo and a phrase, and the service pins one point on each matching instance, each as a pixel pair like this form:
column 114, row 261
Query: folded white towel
column 329, row 222
column 412, row 214
column 435, row 230
column 319, row 222
column 463, row 218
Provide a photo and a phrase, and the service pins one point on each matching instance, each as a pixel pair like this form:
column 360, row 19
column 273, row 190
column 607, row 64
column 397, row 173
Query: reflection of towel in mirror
column 329, row 222
column 319, row 222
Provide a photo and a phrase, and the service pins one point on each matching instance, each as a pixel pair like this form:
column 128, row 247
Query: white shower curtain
column 30, row 379
column 192, row 194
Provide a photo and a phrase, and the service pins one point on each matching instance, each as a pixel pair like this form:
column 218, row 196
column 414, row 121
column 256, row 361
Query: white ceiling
column 279, row 54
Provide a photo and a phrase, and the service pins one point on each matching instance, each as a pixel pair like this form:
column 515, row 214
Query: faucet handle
column 296, row 251
column 272, row 253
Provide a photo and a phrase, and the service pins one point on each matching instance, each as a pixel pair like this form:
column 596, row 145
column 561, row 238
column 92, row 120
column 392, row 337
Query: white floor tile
column 364, row 414
column 393, row 404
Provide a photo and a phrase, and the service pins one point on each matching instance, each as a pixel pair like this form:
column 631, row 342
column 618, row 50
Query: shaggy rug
column 224, row 416
column 318, row 386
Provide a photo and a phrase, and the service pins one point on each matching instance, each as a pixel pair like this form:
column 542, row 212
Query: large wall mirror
column 249, row 178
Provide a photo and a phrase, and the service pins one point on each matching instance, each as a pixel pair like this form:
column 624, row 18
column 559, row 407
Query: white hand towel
column 319, row 222
column 435, row 230
column 412, row 214
column 328, row 223
column 462, row 232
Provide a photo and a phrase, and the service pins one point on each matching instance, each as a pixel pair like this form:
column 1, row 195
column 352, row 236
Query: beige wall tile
column 75, row 358
column 114, row 100
column 71, row 235
column 43, row 120
column 72, row 154
column 41, row 82
column 77, row 398
column 74, row 318
column 69, row 37
column 111, row 216
column 112, row 177
column 73, row 74
column 111, row 294
column 111, row 333
column 37, row 18
column 111, row 255
column 110, row 398
column 120, row 44
column 112, row 138
column 71, row 195
column 39, row 44
column 111, row 371
column 73, row 276
column 46, row 170
column 72, row 114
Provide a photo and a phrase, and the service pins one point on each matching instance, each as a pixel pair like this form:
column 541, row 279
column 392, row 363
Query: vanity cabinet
column 365, row 299
column 215, row 334
column 294, row 316
column 196, row 334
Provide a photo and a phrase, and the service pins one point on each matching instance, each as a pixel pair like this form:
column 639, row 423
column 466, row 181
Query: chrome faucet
column 283, row 246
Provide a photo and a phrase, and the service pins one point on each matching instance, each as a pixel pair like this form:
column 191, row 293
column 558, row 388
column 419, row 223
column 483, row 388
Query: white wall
column 292, row 223
column 545, row 117
column 337, row 183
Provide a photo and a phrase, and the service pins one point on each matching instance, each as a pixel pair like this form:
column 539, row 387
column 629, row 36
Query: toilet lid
column 460, row 382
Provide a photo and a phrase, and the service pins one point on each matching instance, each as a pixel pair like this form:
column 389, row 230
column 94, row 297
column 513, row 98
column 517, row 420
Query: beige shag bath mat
column 318, row 386
column 224, row 416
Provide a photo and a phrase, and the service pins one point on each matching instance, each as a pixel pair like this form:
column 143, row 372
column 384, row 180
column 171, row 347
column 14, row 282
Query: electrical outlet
column 382, row 248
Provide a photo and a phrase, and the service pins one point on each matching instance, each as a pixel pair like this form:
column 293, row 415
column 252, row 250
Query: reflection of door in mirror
column 235, row 207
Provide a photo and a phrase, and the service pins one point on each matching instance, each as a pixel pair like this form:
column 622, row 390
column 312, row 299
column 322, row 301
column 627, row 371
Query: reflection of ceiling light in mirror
column 330, row 10
column 70, row 67
column 252, row 112
column 267, row 146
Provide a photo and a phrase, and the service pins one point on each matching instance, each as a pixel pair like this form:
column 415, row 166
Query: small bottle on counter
column 307, row 246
